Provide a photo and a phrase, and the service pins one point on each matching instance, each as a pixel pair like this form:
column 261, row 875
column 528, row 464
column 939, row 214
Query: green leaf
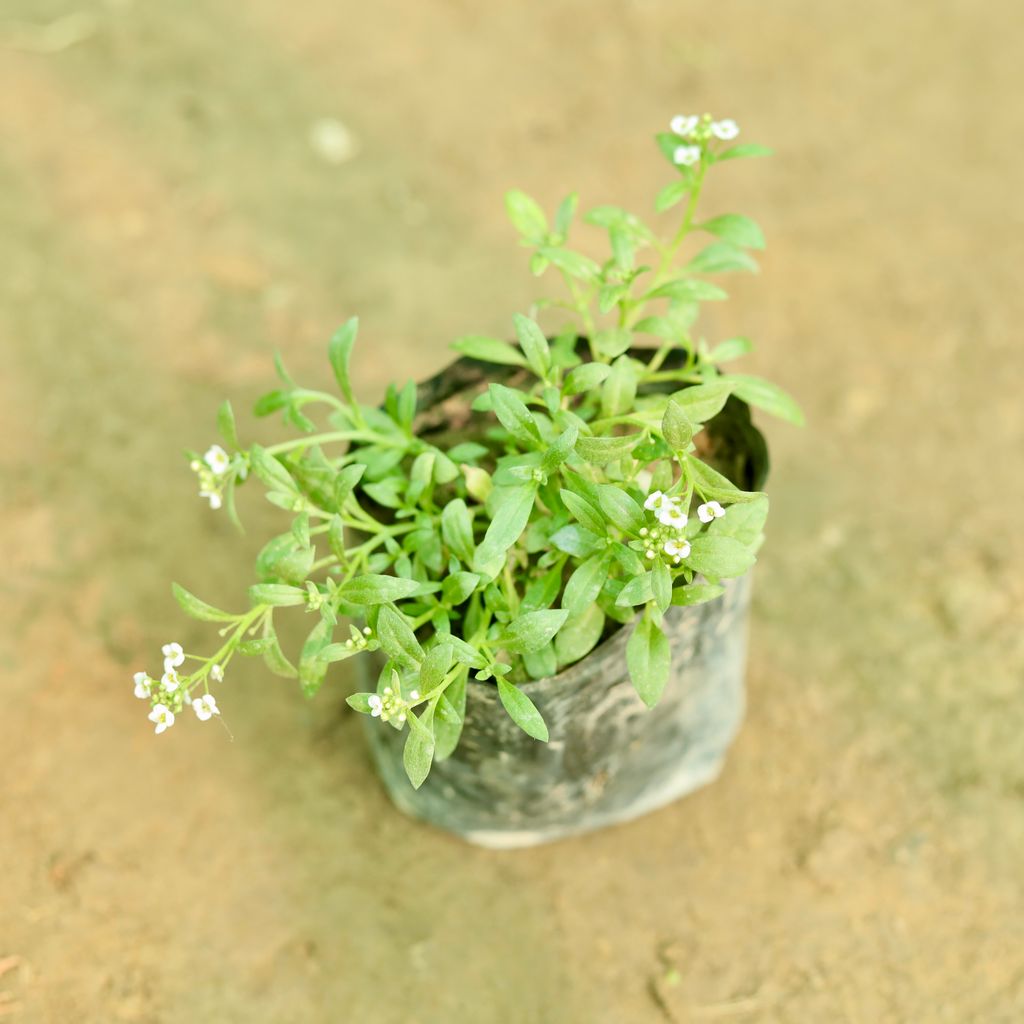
column 534, row 344
column 312, row 669
column 270, row 471
column 582, row 510
column 721, row 256
column 270, row 402
column 731, row 348
column 275, row 660
column 260, row 645
column 697, row 593
column 676, row 427
column 585, row 584
column 712, row 484
column 277, row 595
column 564, row 214
column 744, row 150
column 579, row 635
column 457, row 529
column 526, row 215
column 661, row 584
column 744, row 522
column 490, row 350
column 599, row 451
column 610, row 295
column 671, row 194
column 619, row 391
column 513, row 415
column 688, row 289
column 191, row 605
column 336, row 538
column 585, row 378
column 345, row 482
column 339, row 351
column 614, row 217
column 620, row 508
column 464, row 654
column 611, row 342
column 542, row 590
column 541, row 664
column 768, row 396
column 719, row 557
column 703, row 401
column 576, row 541
column 226, row 425
column 572, row 263
column 736, row 229
column 396, row 636
column 559, row 450
column 457, row 586
column 376, row 589
column 628, row 559
column 448, row 719
column 649, row 658
column 418, row 754
column 436, row 663
column 638, row 590
column 659, row 326
column 300, row 530
column 360, row 702
column 522, row 710
column 531, row 631
column 336, row 652
column 510, row 508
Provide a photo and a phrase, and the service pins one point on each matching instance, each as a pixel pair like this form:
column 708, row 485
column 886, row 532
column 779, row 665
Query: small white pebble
column 332, row 141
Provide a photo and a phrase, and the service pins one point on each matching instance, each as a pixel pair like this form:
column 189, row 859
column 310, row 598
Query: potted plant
column 541, row 554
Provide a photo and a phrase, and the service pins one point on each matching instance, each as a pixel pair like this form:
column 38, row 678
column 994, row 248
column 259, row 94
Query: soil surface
column 167, row 220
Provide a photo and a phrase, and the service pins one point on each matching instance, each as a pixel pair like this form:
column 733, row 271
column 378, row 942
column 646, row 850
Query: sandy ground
column 165, row 224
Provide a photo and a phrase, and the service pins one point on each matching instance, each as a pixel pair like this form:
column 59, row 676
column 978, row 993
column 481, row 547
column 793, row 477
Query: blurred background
column 186, row 187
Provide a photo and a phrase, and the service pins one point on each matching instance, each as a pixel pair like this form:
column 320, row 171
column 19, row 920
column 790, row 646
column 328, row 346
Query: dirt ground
column 165, row 224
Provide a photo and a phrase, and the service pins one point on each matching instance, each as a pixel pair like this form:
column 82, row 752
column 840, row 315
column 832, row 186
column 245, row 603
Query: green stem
column 338, row 435
column 668, row 253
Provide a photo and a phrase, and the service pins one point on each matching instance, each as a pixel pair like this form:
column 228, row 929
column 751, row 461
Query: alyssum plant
column 574, row 501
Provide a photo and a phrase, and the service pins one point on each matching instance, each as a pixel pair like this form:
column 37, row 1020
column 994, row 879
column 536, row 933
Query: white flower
column 684, row 124
column 709, row 511
column 376, row 705
column 205, row 707
column 677, row 549
column 213, row 496
column 217, row 459
column 170, row 681
column 672, row 515
column 173, row 655
column 163, row 716
column 685, row 156
column 654, row 500
column 725, row 130
column 217, row 673
column 143, row 685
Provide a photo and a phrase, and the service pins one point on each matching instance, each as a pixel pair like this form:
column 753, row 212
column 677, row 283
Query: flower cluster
column 668, row 535
column 212, row 470
column 359, row 640
column 389, row 704
column 696, row 131
column 168, row 694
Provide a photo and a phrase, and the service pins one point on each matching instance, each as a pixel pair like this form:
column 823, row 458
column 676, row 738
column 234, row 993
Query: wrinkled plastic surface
column 609, row 758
